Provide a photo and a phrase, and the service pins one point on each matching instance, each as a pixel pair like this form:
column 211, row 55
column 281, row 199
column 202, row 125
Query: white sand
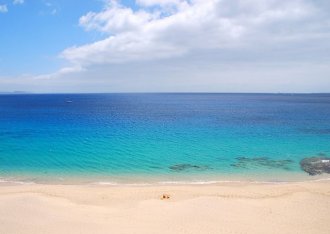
column 223, row 208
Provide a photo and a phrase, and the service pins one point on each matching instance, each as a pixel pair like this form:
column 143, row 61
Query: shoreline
column 159, row 180
column 296, row 207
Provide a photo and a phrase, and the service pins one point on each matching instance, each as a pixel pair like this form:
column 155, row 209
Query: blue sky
column 35, row 32
column 165, row 46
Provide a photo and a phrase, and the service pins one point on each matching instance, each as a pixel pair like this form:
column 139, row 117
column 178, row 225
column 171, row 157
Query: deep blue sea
column 119, row 138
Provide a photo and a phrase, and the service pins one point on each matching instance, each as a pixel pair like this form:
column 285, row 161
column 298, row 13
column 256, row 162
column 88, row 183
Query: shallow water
column 171, row 137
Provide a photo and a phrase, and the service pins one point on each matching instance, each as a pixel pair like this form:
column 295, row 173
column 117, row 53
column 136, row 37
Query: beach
column 242, row 207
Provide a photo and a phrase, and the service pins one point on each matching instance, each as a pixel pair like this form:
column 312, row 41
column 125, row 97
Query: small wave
column 6, row 181
column 105, row 183
column 189, row 182
column 12, row 181
column 218, row 182
column 317, row 180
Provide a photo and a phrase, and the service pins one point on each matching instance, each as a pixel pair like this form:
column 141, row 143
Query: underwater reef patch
column 316, row 165
column 187, row 166
column 246, row 163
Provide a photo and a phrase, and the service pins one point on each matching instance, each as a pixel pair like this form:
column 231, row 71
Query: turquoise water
column 161, row 137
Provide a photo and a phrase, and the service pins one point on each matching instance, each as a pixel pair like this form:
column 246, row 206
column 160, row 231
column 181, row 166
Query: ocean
column 161, row 138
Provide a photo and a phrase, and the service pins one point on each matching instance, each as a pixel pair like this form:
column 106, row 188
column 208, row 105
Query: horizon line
column 195, row 92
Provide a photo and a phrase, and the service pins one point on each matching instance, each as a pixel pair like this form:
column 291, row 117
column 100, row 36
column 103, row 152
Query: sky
column 70, row 46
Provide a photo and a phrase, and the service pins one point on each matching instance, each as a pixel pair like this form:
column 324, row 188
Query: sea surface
column 161, row 138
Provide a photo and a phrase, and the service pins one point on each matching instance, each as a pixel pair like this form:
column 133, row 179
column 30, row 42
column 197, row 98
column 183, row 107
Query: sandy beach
column 301, row 207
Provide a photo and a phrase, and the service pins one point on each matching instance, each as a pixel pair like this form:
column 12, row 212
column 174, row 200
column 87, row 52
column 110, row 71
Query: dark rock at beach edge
column 315, row 165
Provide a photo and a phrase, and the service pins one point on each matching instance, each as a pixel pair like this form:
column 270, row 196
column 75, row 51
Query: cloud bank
column 164, row 29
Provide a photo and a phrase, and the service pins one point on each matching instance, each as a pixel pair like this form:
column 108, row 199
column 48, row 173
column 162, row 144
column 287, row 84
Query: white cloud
column 115, row 19
column 153, row 32
column 168, row 6
column 17, row 2
column 63, row 71
column 51, row 8
column 160, row 2
column 3, row 9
